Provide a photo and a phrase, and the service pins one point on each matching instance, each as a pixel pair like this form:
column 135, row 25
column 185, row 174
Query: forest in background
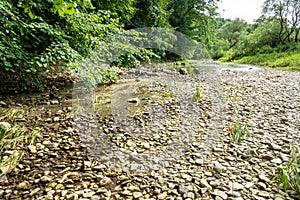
column 42, row 36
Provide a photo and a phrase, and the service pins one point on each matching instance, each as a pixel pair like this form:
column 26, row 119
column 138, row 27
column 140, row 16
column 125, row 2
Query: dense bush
column 32, row 44
column 38, row 36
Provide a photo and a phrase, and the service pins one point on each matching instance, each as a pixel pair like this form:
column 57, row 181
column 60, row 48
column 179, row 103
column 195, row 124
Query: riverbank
column 283, row 61
column 207, row 165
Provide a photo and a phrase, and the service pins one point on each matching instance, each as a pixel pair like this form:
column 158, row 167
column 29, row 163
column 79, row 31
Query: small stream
column 202, row 67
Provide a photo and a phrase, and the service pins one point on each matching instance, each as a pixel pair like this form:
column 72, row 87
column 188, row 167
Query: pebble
column 262, row 185
column 204, row 183
column 95, row 198
column 23, row 184
column 3, row 104
column 276, row 161
column 34, row 191
column 249, row 185
column 32, row 149
column 220, row 193
column 137, row 194
column 54, row 102
column 162, row 195
column 72, row 197
column 263, row 178
column 236, row 186
column 146, row 145
column 264, row 194
column 46, row 179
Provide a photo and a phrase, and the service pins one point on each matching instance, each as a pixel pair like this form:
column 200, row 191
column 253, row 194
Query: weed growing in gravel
column 167, row 95
column 228, row 99
column 12, row 144
column 13, row 113
column 289, row 175
column 13, row 140
column 238, row 131
column 198, row 93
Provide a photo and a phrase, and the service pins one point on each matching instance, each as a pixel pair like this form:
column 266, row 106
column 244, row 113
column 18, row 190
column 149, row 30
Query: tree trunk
column 297, row 35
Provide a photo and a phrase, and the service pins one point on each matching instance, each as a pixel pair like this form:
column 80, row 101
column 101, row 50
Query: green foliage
column 109, row 77
column 194, row 18
column 150, row 13
column 30, row 48
column 289, row 174
column 275, row 60
column 260, row 45
column 39, row 36
column 230, row 39
column 14, row 139
column 124, row 9
column 219, row 48
column 238, row 131
column 62, row 7
column 134, row 57
column 232, row 31
column 286, row 13
column 198, row 93
column 282, row 57
column 86, row 31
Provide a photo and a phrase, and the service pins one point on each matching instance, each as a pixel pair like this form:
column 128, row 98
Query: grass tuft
column 238, row 132
column 198, row 93
column 14, row 139
column 289, row 176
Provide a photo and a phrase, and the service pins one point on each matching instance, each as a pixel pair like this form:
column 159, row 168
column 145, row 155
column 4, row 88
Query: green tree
column 287, row 13
column 150, row 13
column 125, row 9
column 232, row 31
column 194, row 18
column 42, row 39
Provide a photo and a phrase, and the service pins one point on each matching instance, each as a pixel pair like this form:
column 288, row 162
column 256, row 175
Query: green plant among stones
column 13, row 140
column 13, row 113
column 198, row 93
column 238, row 132
column 168, row 95
column 289, row 176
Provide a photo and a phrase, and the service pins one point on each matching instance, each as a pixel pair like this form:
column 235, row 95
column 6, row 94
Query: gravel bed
column 159, row 142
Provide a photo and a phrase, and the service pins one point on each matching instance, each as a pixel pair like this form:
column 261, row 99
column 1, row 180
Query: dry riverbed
column 152, row 137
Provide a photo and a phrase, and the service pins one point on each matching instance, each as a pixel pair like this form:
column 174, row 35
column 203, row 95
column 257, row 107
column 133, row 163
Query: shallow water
column 201, row 67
